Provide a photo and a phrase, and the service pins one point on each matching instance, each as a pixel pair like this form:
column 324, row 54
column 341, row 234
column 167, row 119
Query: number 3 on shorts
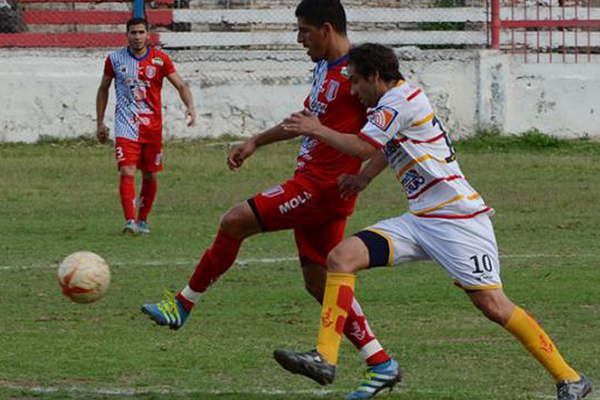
column 119, row 153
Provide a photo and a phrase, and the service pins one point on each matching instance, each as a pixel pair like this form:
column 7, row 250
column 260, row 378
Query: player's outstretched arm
column 241, row 152
column 186, row 97
column 309, row 125
column 101, row 102
column 351, row 185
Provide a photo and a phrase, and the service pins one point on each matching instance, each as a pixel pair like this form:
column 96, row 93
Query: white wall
column 240, row 93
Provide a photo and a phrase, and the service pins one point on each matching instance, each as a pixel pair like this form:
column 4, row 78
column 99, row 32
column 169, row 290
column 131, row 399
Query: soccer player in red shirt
column 310, row 202
column 138, row 71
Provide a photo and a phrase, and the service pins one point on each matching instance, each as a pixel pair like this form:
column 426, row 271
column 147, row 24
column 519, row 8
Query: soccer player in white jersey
column 139, row 72
column 448, row 221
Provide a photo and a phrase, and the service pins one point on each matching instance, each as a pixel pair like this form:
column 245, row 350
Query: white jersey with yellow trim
column 418, row 149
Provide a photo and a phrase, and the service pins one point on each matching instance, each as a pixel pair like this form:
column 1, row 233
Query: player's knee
column 150, row 176
column 235, row 223
column 127, row 170
column 341, row 259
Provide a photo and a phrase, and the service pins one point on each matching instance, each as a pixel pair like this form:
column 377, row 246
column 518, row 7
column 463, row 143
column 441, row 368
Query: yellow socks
column 337, row 300
column 533, row 337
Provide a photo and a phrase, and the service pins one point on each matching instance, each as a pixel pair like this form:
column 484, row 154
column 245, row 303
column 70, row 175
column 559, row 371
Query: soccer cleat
column 143, row 227
column 169, row 311
column 310, row 364
column 378, row 377
column 130, row 227
column 574, row 390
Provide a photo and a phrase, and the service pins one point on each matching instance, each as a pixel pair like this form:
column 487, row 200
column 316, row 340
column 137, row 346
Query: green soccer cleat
column 169, row 311
column 378, row 377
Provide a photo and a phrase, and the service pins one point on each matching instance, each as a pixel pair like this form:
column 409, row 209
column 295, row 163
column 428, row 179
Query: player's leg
column 237, row 224
column 267, row 211
column 467, row 250
column 151, row 163
column 147, row 196
column 387, row 243
column 314, row 245
column 497, row 307
column 127, row 153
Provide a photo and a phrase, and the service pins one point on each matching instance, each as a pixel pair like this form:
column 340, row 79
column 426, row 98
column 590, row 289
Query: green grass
column 61, row 196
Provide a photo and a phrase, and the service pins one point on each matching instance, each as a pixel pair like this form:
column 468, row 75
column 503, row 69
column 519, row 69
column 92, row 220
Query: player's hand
column 102, row 133
column 303, row 122
column 239, row 153
column 190, row 116
column 351, row 185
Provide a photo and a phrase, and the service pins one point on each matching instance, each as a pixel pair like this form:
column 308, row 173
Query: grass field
column 60, row 197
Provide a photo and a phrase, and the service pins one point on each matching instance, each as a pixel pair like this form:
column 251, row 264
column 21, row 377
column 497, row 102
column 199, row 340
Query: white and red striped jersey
column 138, row 84
column 418, row 149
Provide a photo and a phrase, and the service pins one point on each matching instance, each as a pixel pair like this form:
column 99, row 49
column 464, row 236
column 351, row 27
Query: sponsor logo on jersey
column 294, row 202
column 158, row 61
column 332, row 90
column 382, row 117
column 411, row 181
column 274, row 191
column 150, row 71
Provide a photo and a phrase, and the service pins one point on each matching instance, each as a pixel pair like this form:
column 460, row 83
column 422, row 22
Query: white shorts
column 465, row 248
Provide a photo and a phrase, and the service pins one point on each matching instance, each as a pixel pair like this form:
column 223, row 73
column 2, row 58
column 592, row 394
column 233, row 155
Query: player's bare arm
column 241, row 152
column 308, row 124
column 186, row 96
column 101, row 102
column 351, row 185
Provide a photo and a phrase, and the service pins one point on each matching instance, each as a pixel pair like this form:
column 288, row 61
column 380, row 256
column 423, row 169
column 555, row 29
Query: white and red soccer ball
column 83, row 276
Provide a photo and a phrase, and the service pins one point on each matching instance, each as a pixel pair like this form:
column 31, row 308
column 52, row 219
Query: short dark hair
column 369, row 58
column 137, row 21
column 319, row 12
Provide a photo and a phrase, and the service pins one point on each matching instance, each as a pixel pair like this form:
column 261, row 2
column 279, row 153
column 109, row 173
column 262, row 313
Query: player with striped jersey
column 448, row 221
column 138, row 72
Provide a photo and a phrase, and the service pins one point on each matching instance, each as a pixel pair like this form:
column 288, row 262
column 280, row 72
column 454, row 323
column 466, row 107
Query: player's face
column 363, row 88
column 313, row 39
column 137, row 36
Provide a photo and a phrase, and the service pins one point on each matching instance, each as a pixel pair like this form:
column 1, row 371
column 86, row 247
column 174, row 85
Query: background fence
column 569, row 27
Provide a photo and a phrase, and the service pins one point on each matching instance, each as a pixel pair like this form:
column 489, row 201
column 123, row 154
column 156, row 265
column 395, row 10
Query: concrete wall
column 241, row 93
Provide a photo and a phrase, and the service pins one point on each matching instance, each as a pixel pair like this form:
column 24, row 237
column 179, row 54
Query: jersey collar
column 337, row 62
column 139, row 58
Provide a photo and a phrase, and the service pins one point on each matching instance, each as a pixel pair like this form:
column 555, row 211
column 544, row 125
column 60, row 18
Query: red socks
column 214, row 262
column 357, row 330
column 127, row 193
column 149, row 187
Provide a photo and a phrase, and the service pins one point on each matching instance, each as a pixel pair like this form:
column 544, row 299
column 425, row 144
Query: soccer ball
column 83, row 276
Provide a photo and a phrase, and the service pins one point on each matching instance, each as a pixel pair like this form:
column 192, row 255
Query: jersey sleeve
column 169, row 66
column 108, row 68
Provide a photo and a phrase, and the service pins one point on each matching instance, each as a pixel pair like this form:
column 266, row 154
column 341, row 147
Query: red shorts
column 145, row 156
column 298, row 205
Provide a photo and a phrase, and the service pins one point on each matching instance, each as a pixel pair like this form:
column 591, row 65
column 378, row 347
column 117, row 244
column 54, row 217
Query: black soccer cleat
column 574, row 390
column 310, row 364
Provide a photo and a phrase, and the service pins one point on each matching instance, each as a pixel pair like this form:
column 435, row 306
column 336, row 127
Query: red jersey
column 138, row 84
column 330, row 99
